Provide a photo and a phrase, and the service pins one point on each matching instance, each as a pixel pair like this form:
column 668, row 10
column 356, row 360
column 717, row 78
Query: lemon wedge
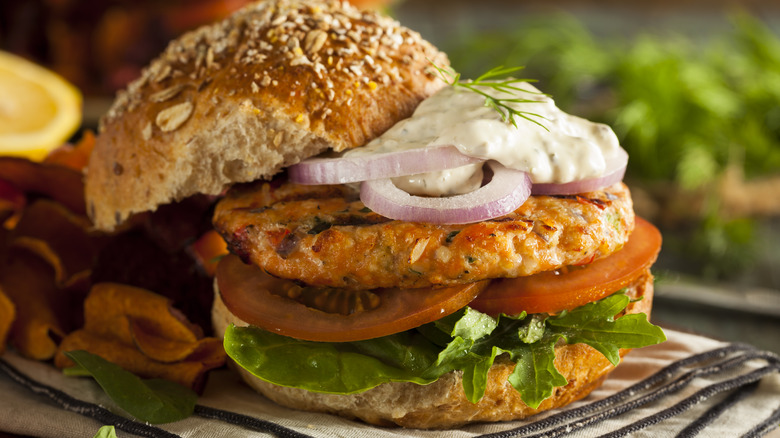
column 39, row 110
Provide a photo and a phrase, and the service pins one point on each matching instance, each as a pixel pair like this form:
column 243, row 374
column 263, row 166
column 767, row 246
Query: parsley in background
column 686, row 109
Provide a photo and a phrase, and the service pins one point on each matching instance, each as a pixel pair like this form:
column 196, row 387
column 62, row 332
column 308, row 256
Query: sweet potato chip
column 206, row 350
column 60, row 237
column 7, row 316
column 187, row 373
column 28, row 281
column 210, row 353
column 140, row 331
column 108, row 302
column 49, row 258
column 159, row 348
column 62, row 184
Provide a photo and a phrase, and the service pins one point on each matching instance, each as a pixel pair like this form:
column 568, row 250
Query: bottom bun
column 443, row 404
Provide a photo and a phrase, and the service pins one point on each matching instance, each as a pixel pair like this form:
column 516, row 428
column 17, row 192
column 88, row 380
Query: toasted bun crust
column 442, row 404
column 238, row 100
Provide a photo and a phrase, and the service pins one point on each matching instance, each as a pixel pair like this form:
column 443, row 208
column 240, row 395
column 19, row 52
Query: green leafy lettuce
column 467, row 340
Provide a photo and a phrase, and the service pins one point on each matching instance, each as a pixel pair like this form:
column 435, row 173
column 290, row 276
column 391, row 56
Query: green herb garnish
column 490, row 80
column 451, row 236
column 319, row 226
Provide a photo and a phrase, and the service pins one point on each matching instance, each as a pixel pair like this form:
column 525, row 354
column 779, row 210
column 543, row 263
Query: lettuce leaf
column 468, row 341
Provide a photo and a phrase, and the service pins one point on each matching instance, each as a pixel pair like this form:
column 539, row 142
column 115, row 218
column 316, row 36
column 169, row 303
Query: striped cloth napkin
column 688, row 386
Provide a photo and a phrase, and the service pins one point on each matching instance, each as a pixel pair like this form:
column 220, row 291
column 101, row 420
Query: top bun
column 236, row 101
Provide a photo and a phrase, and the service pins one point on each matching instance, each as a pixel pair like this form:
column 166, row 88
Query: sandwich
column 406, row 247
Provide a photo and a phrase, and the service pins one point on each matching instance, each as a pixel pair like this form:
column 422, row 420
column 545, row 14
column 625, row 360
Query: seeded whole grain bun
column 443, row 404
column 236, row 101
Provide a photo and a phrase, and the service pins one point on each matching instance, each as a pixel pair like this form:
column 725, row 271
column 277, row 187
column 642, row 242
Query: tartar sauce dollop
column 567, row 148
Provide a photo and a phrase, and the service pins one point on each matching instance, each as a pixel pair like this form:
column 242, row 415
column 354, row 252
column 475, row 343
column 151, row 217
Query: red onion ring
column 615, row 170
column 505, row 192
column 387, row 165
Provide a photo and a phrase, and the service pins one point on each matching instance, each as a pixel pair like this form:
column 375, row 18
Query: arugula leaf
column 594, row 325
column 475, row 374
column 535, row 376
column 533, row 331
column 467, row 323
column 153, row 400
column 460, row 354
column 106, row 432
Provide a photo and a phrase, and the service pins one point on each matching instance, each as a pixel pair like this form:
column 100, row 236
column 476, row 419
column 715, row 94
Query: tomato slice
column 247, row 291
column 553, row 291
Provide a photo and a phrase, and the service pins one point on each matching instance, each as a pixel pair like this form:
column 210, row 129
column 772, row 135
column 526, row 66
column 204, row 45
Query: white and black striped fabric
column 690, row 386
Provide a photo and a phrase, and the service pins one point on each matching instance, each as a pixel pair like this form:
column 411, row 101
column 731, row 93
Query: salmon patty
column 324, row 236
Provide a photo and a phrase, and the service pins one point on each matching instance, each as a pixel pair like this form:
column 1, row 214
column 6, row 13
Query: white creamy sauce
column 457, row 181
column 569, row 149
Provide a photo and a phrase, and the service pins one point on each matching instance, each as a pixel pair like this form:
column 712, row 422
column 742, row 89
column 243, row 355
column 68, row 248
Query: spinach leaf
column 106, row 432
column 338, row 368
column 155, row 401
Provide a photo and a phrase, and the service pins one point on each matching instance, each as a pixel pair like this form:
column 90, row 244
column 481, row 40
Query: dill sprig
column 490, row 80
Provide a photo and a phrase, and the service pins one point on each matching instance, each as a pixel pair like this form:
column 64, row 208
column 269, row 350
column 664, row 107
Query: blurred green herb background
column 700, row 118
